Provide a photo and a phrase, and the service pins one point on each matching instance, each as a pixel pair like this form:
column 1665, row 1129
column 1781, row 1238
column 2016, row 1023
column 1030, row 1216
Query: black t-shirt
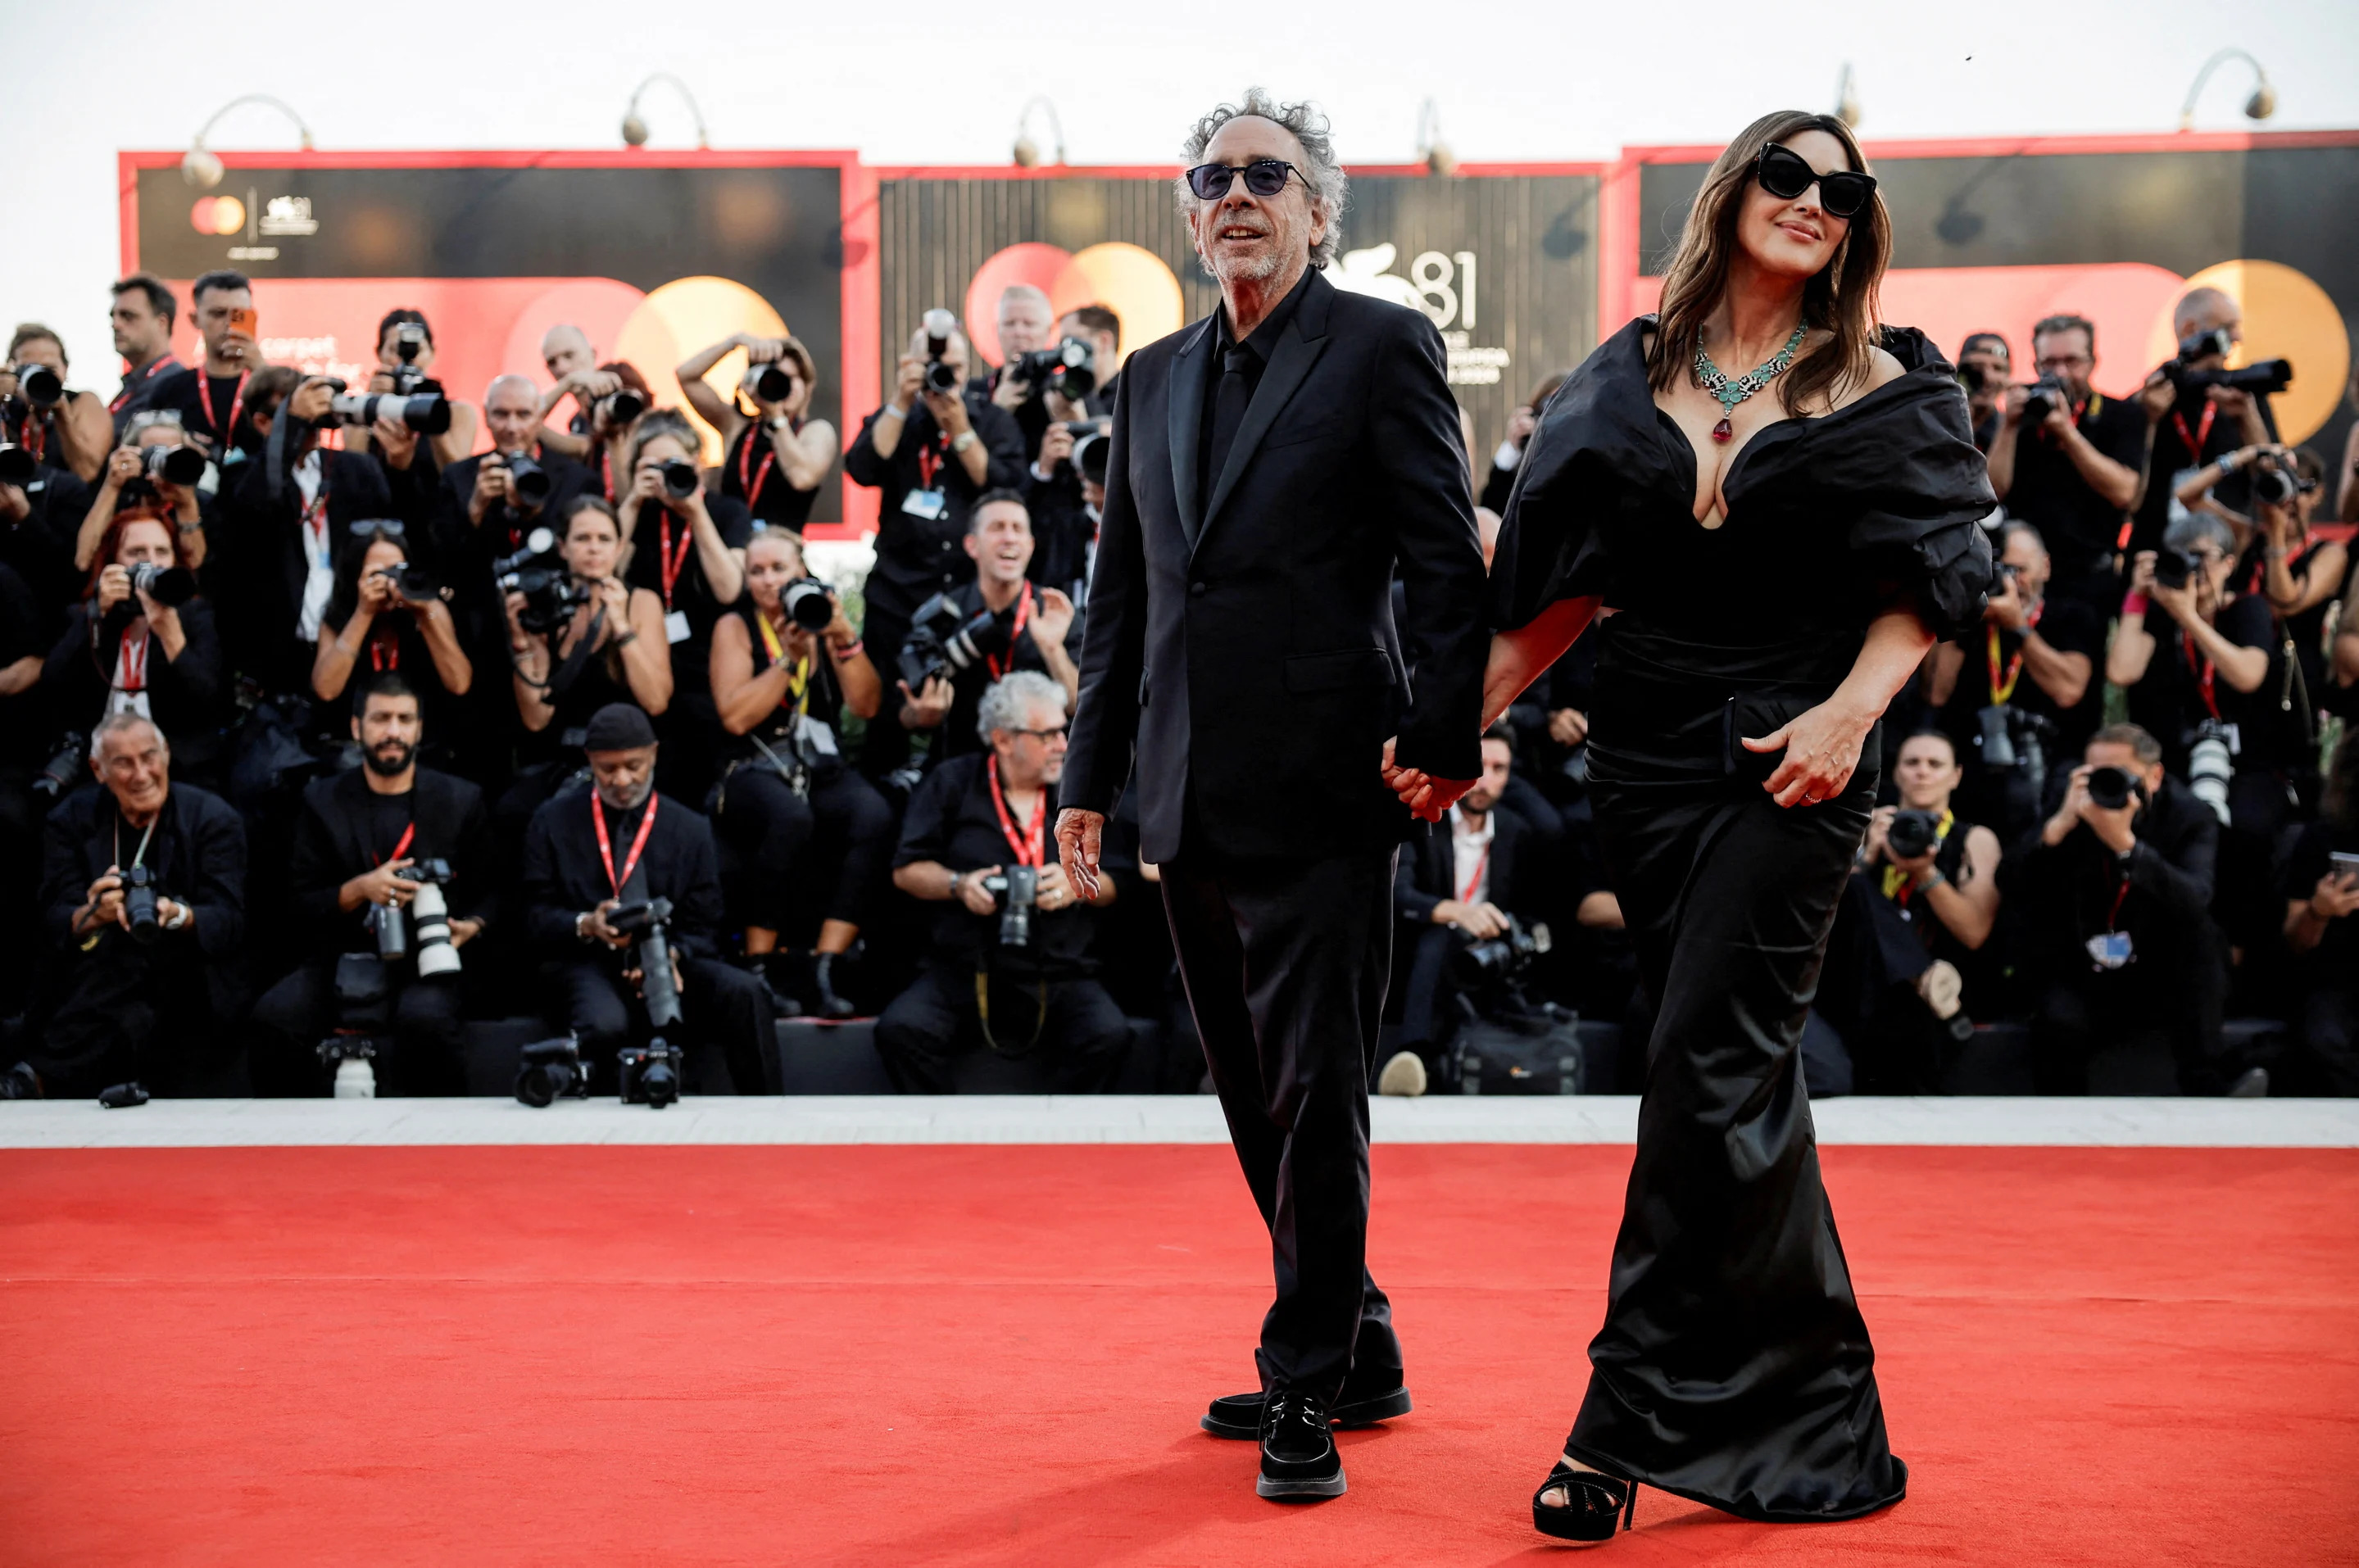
column 954, row 821
column 2078, row 525
column 691, row 593
column 2307, row 629
column 24, row 726
column 2336, row 956
column 204, row 403
column 824, row 703
column 955, row 736
column 2067, row 625
column 750, row 473
column 2169, row 700
column 2176, row 439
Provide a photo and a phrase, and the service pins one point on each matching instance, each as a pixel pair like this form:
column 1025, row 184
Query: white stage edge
column 1142, row 1118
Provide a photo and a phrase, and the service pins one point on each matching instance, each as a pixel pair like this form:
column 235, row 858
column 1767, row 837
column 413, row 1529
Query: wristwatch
column 963, row 440
column 582, row 926
column 180, row 917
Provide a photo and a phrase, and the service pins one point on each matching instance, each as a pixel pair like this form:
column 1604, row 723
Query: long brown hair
column 1841, row 300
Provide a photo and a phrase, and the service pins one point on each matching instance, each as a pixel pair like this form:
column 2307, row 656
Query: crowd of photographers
column 323, row 732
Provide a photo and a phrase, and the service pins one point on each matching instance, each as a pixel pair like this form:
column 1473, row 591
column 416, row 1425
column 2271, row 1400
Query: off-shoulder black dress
column 1733, row 1367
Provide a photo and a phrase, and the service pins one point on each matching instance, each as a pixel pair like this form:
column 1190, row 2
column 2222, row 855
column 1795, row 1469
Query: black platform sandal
column 1591, row 1502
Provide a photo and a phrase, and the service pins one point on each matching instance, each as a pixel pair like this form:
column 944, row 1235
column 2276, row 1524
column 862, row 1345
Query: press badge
column 675, row 627
column 928, row 504
column 2109, row 950
column 813, row 739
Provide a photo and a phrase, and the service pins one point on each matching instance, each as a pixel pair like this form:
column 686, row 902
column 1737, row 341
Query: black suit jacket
column 2070, row 888
column 331, row 845
column 1244, row 639
column 1427, row 872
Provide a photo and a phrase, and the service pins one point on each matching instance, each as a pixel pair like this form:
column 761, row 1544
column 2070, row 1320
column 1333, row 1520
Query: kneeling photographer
column 2118, row 936
column 142, row 642
column 386, row 615
column 1908, row 966
column 1008, row 968
column 963, row 640
column 622, row 894
column 144, row 906
column 786, row 662
column 390, row 880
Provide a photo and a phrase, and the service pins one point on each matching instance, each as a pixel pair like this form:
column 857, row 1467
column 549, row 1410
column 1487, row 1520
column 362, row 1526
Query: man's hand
column 2112, row 825
column 967, row 886
column 102, row 905
column 1079, row 835
column 2336, row 895
column 491, row 488
column 465, row 931
column 1481, row 921
column 925, row 709
column 395, row 441
column 2157, row 397
column 1568, row 727
column 2006, row 609
column 311, row 402
column 2010, row 408
column 1056, row 445
column 1011, row 394
column 2232, row 401
column 909, row 383
column 1052, row 619
column 383, row 886
column 1056, row 890
column 1064, row 409
column 949, row 410
column 14, row 507
column 2057, row 423
column 123, row 465
column 595, row 925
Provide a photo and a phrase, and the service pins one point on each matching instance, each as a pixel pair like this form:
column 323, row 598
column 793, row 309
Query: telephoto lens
column 549, row 1069
column 2172, row 568
column 772, row 384
column 527, row 478
column 427, row 413
column 680, row 478
column 173, row 586
column 40, row 387
column 430, row 916
column 2110, row 787
column 623, row 407
column 2275, row 485
column 64, row 767
column 807, row 604
column 139, row 903
column 175, row 464
column 2210, row 765
column 1019, row 896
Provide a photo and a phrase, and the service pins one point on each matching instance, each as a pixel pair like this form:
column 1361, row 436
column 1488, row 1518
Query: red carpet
column 997, row 1354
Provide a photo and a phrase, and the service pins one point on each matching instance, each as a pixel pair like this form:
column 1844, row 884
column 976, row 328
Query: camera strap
column 1896, row 884
column 577, row 658
column 606, row 845
column 2001, row 690
column 673, row 562
column 1000, row 664
column 2203, row 430
column 798, row 679
column 1031, row 846
column 162, row 364
column 2204, row 670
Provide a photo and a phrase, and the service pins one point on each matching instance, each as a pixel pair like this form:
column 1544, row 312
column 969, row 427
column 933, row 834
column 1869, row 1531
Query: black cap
column 617, row 727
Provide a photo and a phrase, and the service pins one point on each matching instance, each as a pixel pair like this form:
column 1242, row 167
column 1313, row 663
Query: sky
column 944, row 83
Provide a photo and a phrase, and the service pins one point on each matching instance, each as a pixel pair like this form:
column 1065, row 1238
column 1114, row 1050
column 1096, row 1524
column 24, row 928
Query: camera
column 680, row 478
column 941, row 642
column 1487, row 965
column 1070, row 368
column 941, row 376
column 808, row 603
column 354, row 1058
column 2211, row 761
column 1018, row 891
column 2267, row 376
column 548, row 1070
column 408, row 343
column 2113, row 788
column 1976, row 377
column 772, row 383
column 1912, row 833
column 38, row 385
column 550, row 594
column 650, row 1074
column 175, row 464
column 139, row 903
column 415, row 584
column 617, row 409
column 2172, row 568
column 427, row 413
column 2274, row 481
column 429, row 917
column 2047, row 394
column 174, row 586
column 527, row 478
column 650, row 920
column 17, row 465
column 64, row 766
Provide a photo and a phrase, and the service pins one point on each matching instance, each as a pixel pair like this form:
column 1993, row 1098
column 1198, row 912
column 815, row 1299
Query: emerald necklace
column 1734, row 391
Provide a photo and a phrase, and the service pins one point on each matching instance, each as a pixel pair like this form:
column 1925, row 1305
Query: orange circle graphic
column 2287, row 317
column 217, row 215
column 1128, row 279
column 686, row 315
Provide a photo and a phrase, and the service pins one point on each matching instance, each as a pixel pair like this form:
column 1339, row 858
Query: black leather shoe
column 1239, row 1415
column 1298, row 1458
column 20, row 1082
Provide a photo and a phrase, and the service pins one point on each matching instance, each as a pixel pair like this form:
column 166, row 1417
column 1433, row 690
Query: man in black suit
column 1270, row 465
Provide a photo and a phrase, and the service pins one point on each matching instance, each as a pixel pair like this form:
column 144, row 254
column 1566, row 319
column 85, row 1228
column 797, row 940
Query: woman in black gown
column 1772, row 569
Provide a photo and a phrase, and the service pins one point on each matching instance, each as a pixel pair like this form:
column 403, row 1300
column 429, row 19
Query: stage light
column 1847, row 98
column 2259, row 106
column 202, row 168
column 1431, row 150
column 1026, row 151
column 635, row 124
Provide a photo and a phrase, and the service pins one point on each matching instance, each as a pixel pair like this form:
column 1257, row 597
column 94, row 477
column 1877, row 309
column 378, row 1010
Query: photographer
column 42, row 415
column 142, row 319
column 607, row 399
column 774, row 455
column 1986, row 367
column 359, row 831
column 2020, row 702
column 1057, row 491
column 2320, row 884
column 2116, row 888
column 2284, row 562
column 143, row 892
column 215, row 400
column 1908, row 961
column 1027, row 321
column 2195, row 419
column 129, row 481
column 405, row 351
column 929, row 451
column 386, row 615
column 142, row 640
column 789, row 803
column 1500, row 482
column 2069, row 461
column 1029, row 629
column 26, row 742
column 490, row 501
column 41, row 506
column 590, row 854
column 1011, row 974
column 690, row 551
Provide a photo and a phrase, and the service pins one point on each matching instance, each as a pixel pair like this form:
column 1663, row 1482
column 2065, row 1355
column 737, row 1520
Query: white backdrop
column 921, row 81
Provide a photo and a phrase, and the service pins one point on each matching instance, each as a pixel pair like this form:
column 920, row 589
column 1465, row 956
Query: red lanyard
column 163, row 365
column 1000, row 664
column 673, row 561
column 385, row 651
column 606, row 473
column 315, row 519
column 34, row 435
column 2202, row 430
column 2002, row 689
column 1031, row 846
column 402, row 848
column 2114, row 915
column 2202, row 672
column 236, row 402
column 752, row 487
column 606, row 845
column 1481, row 864
column 132, row 662
column 929, row 460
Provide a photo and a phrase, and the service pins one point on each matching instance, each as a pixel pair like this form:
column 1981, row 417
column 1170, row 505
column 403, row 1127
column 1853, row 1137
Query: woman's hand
column 613, row 595
column 114, row 587
column 1822, row 752
column 123, row 465
column 645, row 485
column 1568, row 727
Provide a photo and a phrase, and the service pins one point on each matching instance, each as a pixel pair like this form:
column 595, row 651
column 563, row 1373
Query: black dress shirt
column 564, row 876
column 1253, row 360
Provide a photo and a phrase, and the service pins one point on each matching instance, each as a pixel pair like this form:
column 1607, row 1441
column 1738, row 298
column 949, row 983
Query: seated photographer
column 143, row 897
column 1909, row 966
column 690, row 550
column 774, row 455
column 1456, row 886
column 1499, row 482
column 2320, row 884
column 953, row 654
column 789, row 803
column 581, row 641
column 133, row 479
column 43, row 414
column 215, row 399
column 931, row 451
column 142, row 318
column 2118, row 940
column 1985, row 368
column 405, row 355
column 384, row 615
column 2069, row 461
column 1008, row 966
column 367, row 840
column 142, row 640
column 2020, row 702
column 2201, row 410
column 595, row 862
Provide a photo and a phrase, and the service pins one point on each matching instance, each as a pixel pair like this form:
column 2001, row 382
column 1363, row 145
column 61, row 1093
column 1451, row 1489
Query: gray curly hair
column 1329, row 186
column 1012, row 699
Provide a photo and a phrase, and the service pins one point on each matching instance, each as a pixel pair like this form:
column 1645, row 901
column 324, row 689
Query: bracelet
column 180, row 912
column 2133, row 604
column 854, row 646
column 963, row 440
column 892, row 411
column 627, row 638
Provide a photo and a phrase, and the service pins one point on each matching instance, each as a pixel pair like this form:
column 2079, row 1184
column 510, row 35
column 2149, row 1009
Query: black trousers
column 1286, row 965
column 2329, row 1034
column 2150, row 1028
column 423, row 1053
column 786, row 839
column 727, row 1032
column 1082, row 1034
column 125, row 1012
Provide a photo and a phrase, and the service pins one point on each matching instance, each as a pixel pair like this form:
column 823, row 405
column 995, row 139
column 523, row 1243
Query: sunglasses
column 1264, row 176
column 1786, row 174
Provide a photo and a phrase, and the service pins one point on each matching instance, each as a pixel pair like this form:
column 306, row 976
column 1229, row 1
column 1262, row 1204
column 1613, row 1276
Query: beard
column 389, row 759
column 627, row 796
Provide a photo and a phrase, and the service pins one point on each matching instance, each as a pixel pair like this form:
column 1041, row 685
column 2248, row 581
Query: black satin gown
column 1734, row 1367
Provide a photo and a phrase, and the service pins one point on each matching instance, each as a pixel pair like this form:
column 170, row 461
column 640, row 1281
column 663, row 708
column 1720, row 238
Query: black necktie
column 1228, row 412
